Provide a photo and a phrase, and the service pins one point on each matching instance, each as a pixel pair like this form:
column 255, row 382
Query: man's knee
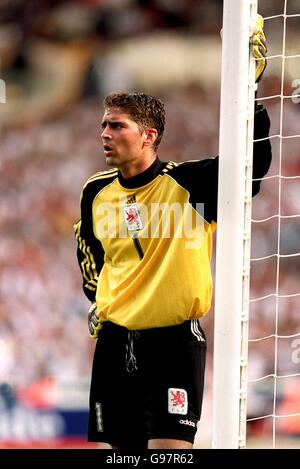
column 104, row 446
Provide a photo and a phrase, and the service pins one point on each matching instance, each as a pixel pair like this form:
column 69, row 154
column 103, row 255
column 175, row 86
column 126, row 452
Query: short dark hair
column 146, row 110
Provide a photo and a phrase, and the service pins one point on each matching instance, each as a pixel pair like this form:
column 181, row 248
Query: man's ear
column 150, row 137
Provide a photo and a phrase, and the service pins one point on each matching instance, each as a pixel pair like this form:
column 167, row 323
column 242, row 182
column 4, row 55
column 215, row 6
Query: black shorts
column 147, row 384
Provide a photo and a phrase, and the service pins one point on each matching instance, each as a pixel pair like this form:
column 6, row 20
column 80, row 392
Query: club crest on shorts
column 177, row 401
column 132, row 217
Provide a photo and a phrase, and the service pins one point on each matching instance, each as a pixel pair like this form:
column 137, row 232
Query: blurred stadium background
column 58, row 59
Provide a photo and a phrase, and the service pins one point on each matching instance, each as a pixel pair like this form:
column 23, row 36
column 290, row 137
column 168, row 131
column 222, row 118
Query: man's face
column 122, row 139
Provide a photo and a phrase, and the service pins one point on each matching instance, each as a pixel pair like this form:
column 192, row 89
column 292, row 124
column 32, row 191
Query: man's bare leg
column 164, row 443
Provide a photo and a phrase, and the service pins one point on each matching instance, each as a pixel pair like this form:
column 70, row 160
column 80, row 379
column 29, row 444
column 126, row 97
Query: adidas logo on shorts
column 187, row 422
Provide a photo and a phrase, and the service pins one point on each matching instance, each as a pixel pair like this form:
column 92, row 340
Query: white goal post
column 234, row 226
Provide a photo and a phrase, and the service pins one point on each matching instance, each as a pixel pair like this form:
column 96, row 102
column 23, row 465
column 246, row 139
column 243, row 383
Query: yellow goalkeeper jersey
column 145, row 243
column 144, row 247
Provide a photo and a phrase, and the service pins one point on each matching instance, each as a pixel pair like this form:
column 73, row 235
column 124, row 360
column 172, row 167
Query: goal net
column 273, row 410
column 257, row 331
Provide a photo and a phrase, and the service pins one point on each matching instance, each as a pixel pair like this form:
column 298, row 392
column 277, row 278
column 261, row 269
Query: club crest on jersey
column 177, row 401
column 132, row 217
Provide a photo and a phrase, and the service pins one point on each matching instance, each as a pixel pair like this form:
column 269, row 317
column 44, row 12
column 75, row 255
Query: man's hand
column 94, row 322
column 259, row 48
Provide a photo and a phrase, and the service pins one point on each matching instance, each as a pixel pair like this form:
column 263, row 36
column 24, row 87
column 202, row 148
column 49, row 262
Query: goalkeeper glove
column 94, row 322
column 259, row 48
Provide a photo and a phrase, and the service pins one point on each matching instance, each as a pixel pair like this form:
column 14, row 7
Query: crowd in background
column 51, row 145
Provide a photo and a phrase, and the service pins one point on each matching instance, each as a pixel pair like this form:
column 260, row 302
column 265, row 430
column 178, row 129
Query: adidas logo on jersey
column 187, row 422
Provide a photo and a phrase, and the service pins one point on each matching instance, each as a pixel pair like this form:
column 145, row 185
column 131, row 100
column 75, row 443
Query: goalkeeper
column 148, row 283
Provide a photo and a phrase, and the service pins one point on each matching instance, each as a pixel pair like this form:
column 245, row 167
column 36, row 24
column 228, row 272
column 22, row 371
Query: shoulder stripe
column 170, row 165
column 102, row 175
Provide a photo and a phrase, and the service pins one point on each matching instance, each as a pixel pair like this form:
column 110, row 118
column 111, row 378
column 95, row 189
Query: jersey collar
column 143, row 178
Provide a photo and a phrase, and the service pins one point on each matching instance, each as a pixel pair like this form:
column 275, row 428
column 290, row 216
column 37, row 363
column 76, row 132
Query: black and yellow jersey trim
column 90, row 253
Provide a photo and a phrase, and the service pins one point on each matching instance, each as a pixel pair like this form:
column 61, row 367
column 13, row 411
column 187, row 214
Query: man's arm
column 203, row 188
column 262, row 152
column 90, row 253
column 90, row 261
column 90, row 265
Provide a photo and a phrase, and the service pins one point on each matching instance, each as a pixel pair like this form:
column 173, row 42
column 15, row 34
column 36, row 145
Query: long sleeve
column 262, row 157
column 262, row 152
column 201, row 177
column 90, row 262
column 90, row 252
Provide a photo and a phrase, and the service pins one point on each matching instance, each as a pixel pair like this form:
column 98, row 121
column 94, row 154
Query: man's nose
column 105, row 133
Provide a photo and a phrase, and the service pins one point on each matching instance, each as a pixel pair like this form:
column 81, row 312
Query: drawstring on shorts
column 130, row 359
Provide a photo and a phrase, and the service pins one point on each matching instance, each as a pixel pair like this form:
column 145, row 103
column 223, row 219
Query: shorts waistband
column 189, row 325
